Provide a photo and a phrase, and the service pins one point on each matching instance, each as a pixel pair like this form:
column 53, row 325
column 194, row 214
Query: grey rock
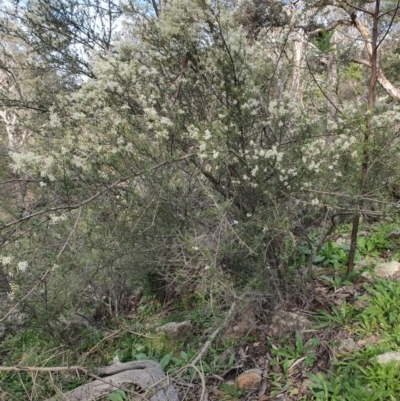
column 243, row 323
column 17, row 319
column 176, row 330
column 394, row 234
column 342, row 241
column 366, row 276
column 387, row 357
column 366, row 263
column 387, row 270
column 346, row 345
column 281, row 322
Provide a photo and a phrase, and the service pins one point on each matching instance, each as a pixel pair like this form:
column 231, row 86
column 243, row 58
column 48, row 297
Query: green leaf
column 118, row 395
column 319, row 258
column 141, row 356
column 230, row 390
column 166, row 360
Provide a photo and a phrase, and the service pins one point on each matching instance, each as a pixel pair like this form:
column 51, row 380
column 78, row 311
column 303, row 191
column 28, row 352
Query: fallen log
column 143, row 375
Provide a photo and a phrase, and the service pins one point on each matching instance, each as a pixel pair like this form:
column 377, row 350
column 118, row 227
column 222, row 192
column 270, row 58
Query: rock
column 250, row 379
column 342, row 241
column 366, row 276
column 346, row 345
column 387, row 357
column 175, row 330
column 388, row 269
column 17, row 319
column 281, row 322
column 372, row 340
column 366, row 263
column 242, row 324
column 11, row 322
column 394, row 234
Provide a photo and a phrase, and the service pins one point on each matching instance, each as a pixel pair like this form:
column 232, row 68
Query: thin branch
column 95, row 196
column 320, row 88
column 207, row 344
column 26, row 296
column 70, row 234
column 324, row 29
column 363, row 10
column 390, row 24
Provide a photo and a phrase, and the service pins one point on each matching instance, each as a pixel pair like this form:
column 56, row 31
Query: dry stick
column 213, row 335
column 144, row 335
column 203, row 382
column 43, row 369
column 339, row 194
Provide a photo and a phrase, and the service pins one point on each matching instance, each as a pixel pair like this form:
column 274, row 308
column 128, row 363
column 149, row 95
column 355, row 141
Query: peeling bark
column 388, row 87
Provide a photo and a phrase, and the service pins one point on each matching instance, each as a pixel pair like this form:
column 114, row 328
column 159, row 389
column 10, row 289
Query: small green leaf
column 118, row 395
column 166, row 360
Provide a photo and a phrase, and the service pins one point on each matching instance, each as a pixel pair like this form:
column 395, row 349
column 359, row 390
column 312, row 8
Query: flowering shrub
column 186, row 153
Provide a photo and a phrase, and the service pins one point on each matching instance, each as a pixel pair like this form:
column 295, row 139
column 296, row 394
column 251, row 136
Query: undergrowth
column 351, row 375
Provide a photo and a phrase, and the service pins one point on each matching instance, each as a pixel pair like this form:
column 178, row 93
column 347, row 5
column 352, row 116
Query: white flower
column 206, row 267
column 215, row 154
column 254, row 171
column 55, row 219
column 22, row 266
column 235, row 222
column 6, row 260
column 346, row 145
column 315, row 201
